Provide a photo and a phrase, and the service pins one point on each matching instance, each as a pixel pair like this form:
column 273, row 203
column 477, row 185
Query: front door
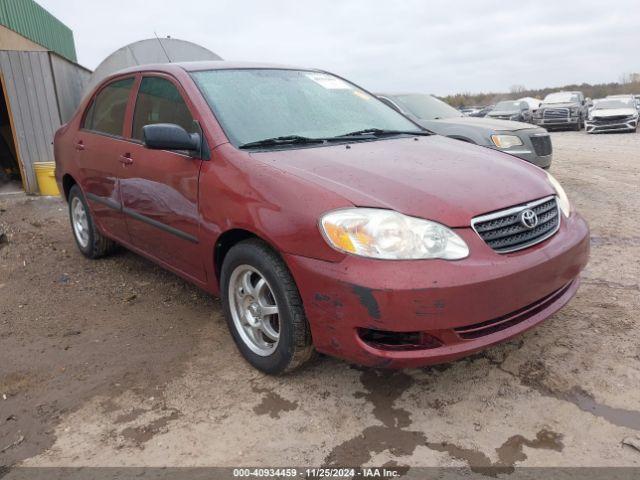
column 97, row 149
column 160, row 188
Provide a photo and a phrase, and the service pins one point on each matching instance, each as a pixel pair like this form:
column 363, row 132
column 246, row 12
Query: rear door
column 160, row 188
column 98, row 144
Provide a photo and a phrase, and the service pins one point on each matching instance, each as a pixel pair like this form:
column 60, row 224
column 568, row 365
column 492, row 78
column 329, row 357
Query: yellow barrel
column 45, row 173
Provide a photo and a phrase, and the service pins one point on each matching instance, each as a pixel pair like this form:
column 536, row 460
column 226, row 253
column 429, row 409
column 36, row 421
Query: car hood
column 502, row 112
column 435, row 177
column 485, row 122
column 613, row 112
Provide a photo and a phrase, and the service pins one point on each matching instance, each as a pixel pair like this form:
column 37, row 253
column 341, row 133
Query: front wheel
column 263, row 309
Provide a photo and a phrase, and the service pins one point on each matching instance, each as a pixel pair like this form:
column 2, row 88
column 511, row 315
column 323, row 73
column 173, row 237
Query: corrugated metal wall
column 32, row 21
column 43, row 91
column 70, row 80
column 32, row 101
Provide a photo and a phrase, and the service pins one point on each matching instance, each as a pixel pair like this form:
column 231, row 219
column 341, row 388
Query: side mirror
column 168, row 136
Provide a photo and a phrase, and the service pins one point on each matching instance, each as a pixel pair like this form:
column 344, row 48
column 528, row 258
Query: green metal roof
column 32, row 21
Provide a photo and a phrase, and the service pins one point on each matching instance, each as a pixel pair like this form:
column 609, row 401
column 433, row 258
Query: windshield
column 425, row 107
column 562, row 97
column 615, row 103
column 507, row 106
column 256, row 104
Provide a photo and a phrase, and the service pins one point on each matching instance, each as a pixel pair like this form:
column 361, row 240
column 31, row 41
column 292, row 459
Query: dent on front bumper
column 466, row 305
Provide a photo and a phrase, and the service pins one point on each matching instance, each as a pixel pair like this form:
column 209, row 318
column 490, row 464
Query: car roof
column 397, row 94
column 207, row 65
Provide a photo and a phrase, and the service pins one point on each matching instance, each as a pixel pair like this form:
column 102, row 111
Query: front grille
column 612, row 120
column 556, row 113
column 505, row 231
column 477, row 330
column 541, row 144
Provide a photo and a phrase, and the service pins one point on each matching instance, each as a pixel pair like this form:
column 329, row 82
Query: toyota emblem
column 529, row 218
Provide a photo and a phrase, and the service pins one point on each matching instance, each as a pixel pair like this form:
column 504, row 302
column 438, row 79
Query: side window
column 160, row 102
column 106, row 113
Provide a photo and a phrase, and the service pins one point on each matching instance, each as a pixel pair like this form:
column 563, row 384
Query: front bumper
column 542, row 161
column 466, row 305
column 600, row 126
column 569, row 122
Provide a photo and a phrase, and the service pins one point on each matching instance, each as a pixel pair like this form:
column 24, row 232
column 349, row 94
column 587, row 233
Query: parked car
column 636, row 99
column 515, row 110
column 482, row 112
column 534, row 103
column 613, row 114
column 470, row 111
column 522, row 140
column 562, row 110
column 324, row 219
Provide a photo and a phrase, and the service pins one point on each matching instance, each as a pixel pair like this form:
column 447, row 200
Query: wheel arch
column 227, row 240
column 67, row 183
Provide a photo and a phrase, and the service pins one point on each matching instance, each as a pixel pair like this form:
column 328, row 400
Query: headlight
column 575, row 110
column 385, row 234
column 563, row 200
column 506, row 141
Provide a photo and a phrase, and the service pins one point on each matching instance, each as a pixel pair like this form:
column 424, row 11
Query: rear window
column 159, row 101
column 106, row 113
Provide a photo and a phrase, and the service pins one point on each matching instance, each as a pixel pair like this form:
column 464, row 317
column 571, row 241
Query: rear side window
column 160, row 102
column 106, row 113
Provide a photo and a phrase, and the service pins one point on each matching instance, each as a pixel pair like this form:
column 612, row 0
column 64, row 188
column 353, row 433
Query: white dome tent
column 152, row 50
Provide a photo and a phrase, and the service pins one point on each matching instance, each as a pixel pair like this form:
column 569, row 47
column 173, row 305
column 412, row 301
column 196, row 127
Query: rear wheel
column 88, row 238
column 263, row 309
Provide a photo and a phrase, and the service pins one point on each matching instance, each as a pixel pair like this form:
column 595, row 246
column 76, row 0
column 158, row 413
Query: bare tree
column 629, row 77
column 517, row 88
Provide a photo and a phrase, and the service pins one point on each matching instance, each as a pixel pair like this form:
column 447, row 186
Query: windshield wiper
column 379, row 132
column 286, row 140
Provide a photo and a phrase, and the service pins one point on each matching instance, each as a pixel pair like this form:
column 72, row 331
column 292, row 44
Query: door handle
column 79, row 145
column 126, row 159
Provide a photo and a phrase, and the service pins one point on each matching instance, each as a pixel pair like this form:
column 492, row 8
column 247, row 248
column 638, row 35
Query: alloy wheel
column 80, row 222
column 254, row 310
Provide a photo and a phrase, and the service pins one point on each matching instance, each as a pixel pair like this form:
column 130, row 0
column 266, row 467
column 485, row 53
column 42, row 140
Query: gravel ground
column 116, row 362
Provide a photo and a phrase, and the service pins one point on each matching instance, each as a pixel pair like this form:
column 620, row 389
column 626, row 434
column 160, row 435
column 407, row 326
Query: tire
column 294, row 347
column 90, row 241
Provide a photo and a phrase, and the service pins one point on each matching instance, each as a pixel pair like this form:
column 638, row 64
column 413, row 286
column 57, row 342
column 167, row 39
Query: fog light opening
column 384, row 340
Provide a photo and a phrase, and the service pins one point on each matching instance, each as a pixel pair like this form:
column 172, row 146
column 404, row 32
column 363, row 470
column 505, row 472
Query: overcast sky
column 405, row 45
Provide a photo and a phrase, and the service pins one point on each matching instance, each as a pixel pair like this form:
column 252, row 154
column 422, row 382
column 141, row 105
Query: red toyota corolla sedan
column 324, row 219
